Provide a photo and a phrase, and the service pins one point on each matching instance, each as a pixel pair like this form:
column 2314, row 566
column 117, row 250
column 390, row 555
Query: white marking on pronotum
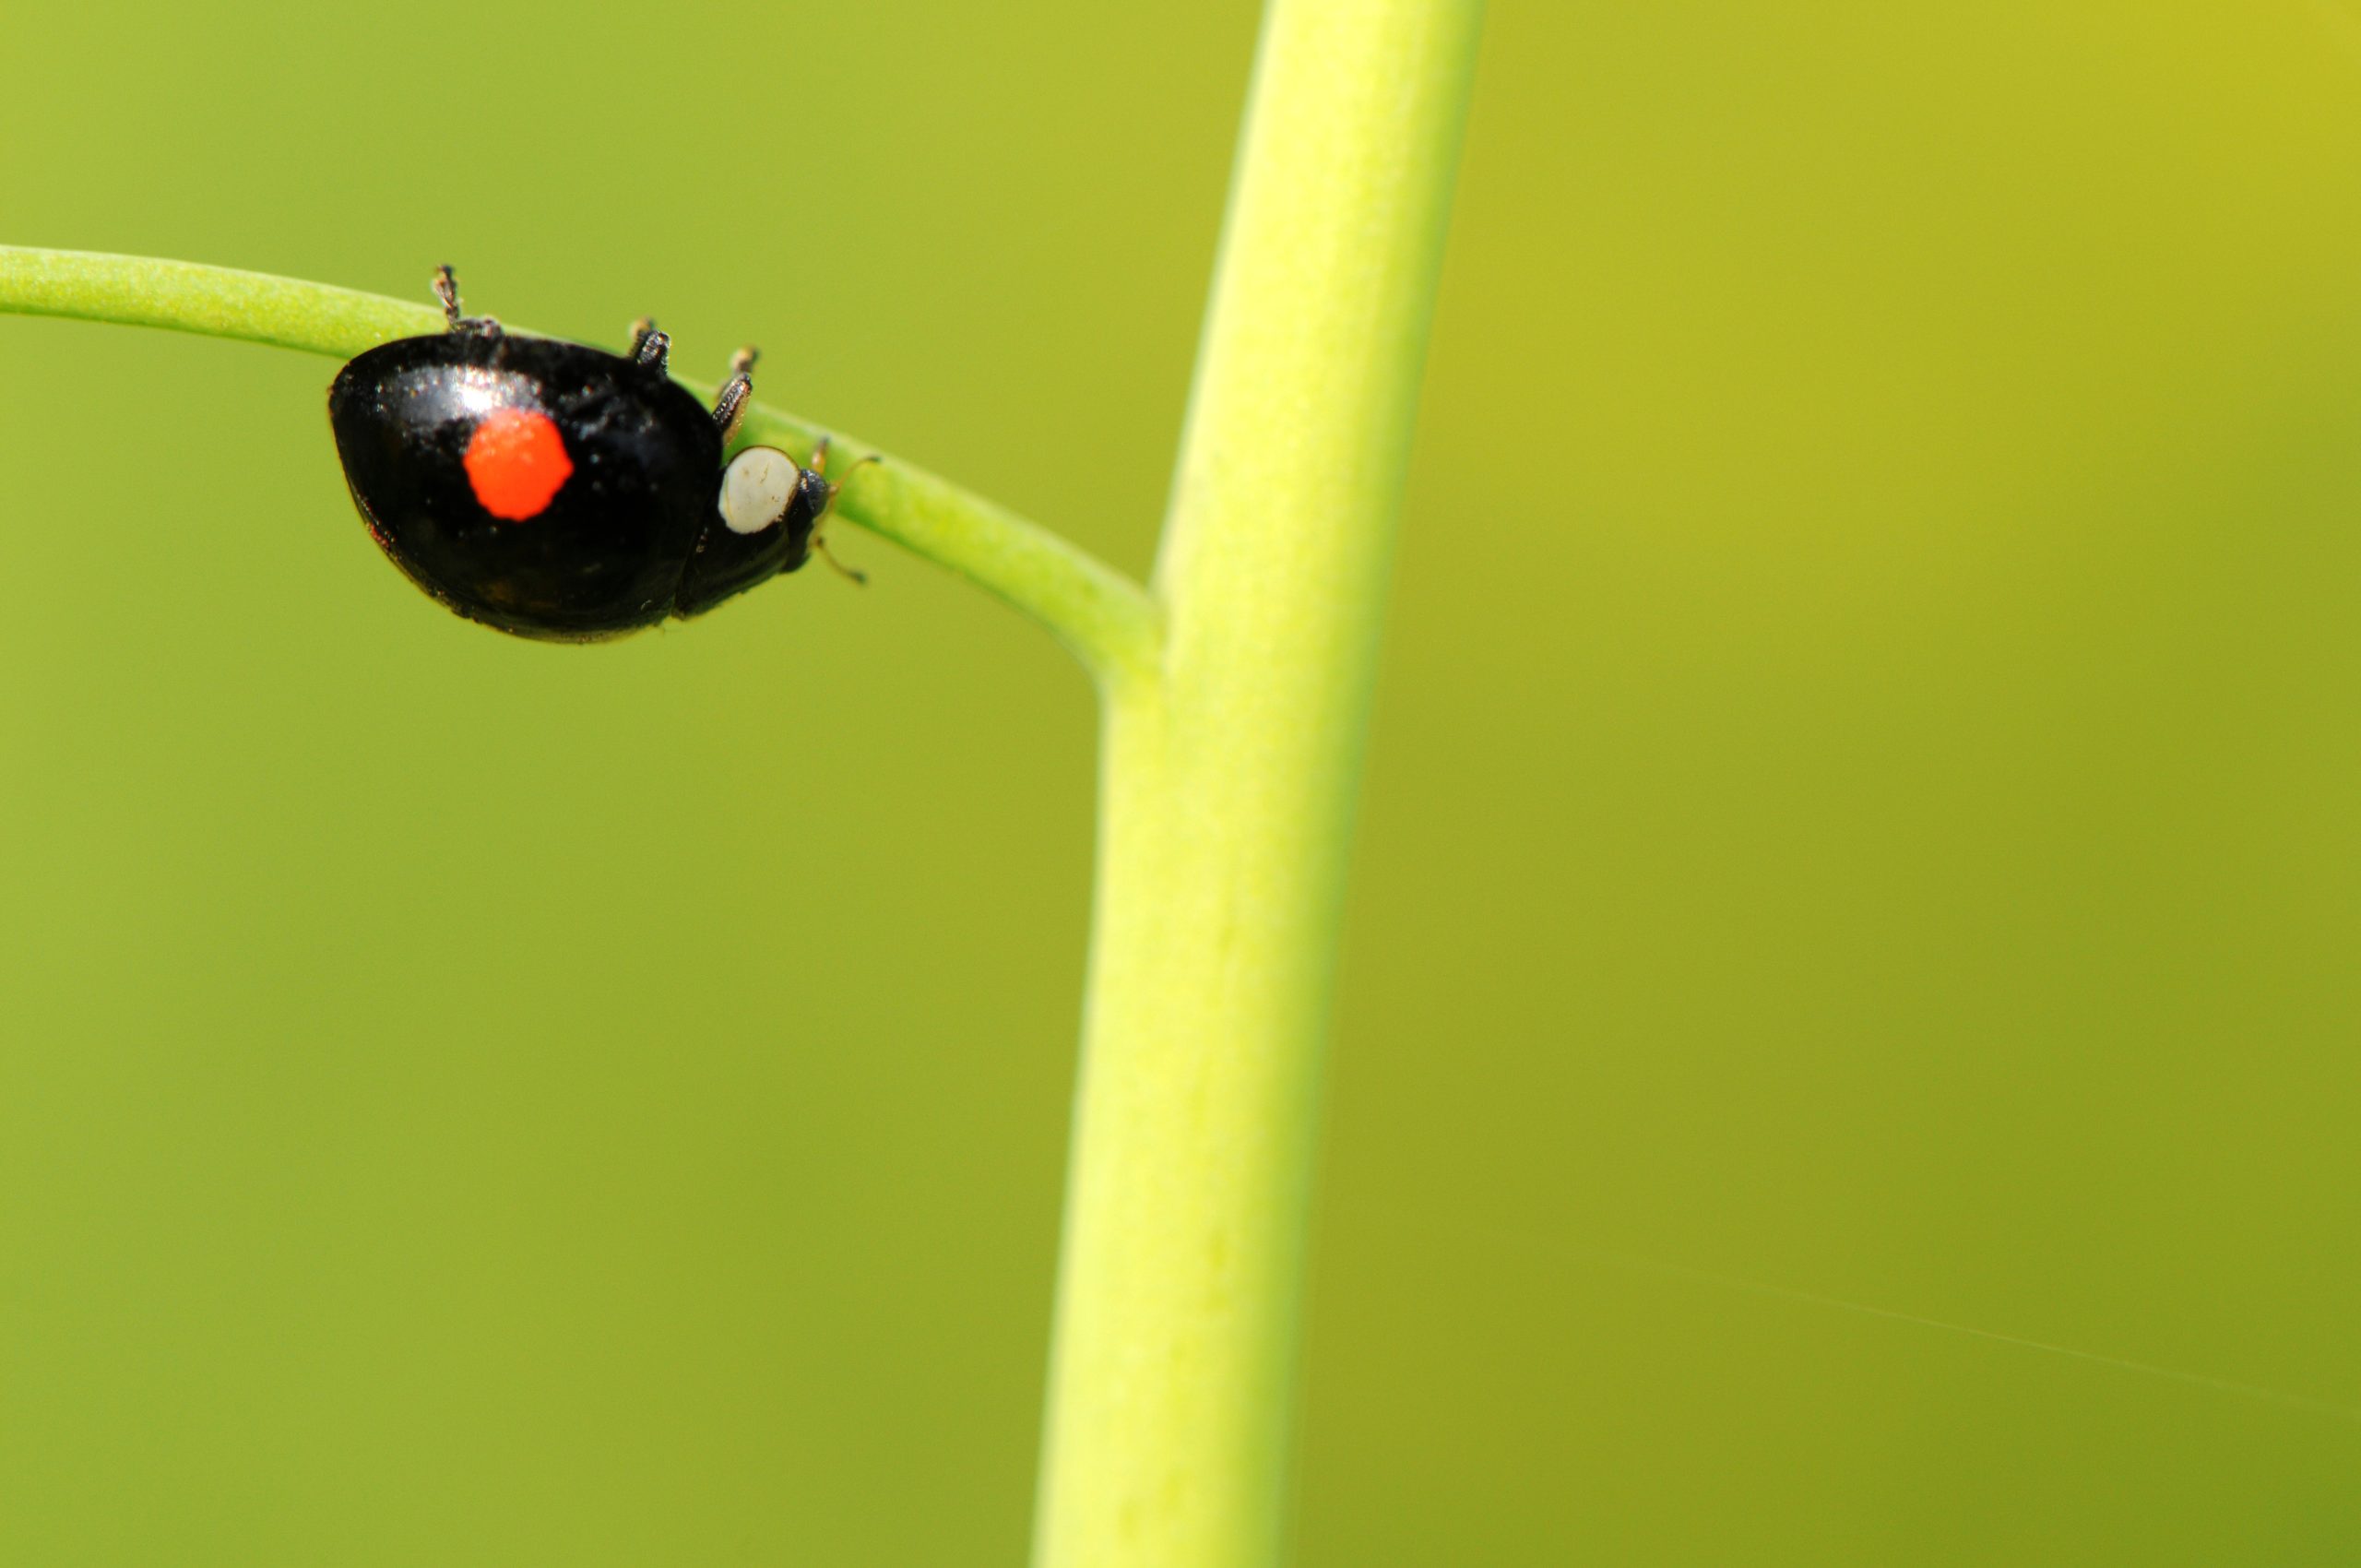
column 756, row 488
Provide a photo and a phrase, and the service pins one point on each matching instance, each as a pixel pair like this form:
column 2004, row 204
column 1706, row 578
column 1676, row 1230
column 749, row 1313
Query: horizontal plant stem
column 1103, row 617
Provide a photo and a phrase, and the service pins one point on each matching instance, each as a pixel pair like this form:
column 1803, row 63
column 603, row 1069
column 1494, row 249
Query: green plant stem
column 1237, row 696
column 1100, row 615
column 1230, row 787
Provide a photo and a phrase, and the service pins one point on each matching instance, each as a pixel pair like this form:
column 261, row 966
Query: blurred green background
column 1863, row 801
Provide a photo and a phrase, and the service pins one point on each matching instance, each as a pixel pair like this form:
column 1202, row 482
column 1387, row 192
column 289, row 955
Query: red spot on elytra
column 515, row 462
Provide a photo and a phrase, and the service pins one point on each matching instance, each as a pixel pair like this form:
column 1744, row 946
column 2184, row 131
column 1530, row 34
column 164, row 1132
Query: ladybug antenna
column 820, row 467
column 858, row 578
column 857, row 467
column 820, row 464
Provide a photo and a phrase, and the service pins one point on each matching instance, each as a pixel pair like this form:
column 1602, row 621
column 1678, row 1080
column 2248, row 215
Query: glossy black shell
column 633, row 535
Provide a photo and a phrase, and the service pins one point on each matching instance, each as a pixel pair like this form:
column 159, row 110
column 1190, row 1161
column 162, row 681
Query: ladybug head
column 772, row 507
column 816, row 493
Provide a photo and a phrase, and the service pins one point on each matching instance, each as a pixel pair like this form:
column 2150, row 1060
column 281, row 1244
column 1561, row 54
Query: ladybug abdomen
column 548, row 489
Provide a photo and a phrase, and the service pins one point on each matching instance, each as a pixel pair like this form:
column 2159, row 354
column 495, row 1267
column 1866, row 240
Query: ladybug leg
column 649, row 346
column 447, row 289
column 730, row 409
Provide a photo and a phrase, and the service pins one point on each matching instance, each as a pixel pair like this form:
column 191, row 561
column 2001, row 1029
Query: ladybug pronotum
column 559, row 492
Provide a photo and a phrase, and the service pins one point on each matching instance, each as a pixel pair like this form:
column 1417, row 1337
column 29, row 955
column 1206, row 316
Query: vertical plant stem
column 1228, row 799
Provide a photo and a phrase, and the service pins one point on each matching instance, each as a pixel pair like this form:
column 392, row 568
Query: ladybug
column 559, row 491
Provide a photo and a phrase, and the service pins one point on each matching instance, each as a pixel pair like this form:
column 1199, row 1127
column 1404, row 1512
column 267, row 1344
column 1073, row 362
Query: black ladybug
column 558, row 490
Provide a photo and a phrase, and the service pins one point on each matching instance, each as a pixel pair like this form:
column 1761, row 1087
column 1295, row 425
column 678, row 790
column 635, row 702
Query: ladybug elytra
column 556, row 491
